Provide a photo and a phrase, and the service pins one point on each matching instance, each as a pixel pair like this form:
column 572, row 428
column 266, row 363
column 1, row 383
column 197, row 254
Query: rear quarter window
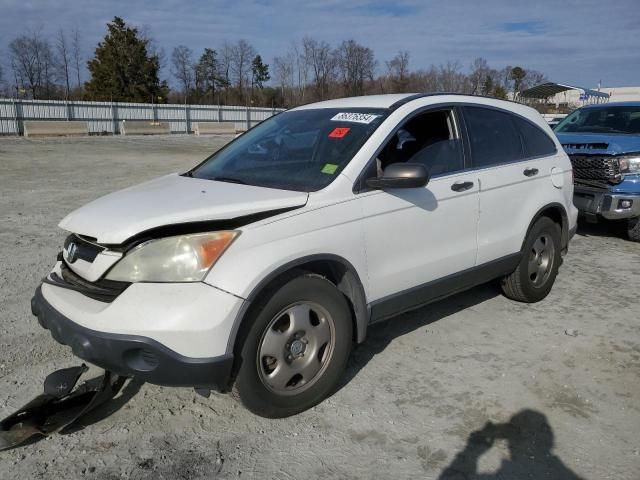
column 535, row 141
column 493, row 136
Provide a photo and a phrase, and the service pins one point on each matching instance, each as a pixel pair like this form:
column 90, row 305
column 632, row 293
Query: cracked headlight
column 186, row 258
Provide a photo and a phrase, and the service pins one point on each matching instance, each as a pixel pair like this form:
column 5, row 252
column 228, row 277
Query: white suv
column 262, row 266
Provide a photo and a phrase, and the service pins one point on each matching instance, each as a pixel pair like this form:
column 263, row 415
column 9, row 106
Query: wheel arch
column 557, row 213
column 334, row 268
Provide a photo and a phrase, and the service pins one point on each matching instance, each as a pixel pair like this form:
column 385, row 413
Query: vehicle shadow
column 617, row 229
column 379, row 335
column 530, row 441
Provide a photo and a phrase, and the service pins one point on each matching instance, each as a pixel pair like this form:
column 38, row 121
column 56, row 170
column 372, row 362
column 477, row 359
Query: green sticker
column 329, row 168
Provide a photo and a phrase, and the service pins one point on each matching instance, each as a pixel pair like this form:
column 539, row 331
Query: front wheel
column 533, row 278
column 633, row 229
column 295, row 349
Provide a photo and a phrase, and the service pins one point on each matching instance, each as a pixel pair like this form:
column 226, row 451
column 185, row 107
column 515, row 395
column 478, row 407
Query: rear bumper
column 606, row 204
column 133, row 355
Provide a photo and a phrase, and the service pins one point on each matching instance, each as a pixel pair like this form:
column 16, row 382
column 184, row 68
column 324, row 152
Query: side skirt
column 421, row 295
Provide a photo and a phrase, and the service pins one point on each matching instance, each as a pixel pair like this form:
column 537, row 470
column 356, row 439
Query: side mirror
column 401, row 175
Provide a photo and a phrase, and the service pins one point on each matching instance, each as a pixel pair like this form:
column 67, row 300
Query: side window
column 493, row 136
column 536, row 142
column 430, row 139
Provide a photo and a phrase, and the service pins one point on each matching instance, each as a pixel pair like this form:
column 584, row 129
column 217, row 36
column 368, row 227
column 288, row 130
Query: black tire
column 250, row 383
column 524, row 286
column 633, row 229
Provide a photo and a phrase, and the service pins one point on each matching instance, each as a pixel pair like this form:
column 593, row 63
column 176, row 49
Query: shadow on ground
column 530, row 440
column 381, row 334
column 615, row 229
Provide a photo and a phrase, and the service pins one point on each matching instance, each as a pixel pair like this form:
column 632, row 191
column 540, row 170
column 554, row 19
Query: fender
column 348, row 283
column 564, row 223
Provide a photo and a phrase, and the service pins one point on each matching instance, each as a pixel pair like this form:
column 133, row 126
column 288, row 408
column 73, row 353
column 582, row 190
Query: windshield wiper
column 228, row 180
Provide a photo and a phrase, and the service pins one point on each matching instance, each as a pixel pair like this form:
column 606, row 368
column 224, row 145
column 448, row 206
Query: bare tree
column 477, row 77
column 283, row 72
column 183, row 68
column 356, row 64
column 76, row 55
column 318, row 56
column 63, row 60
column 398, row 70
column 32, row 61
column 242, row 55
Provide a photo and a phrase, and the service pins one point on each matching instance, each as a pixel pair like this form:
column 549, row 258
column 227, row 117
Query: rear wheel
column 296, row 348
column 533, row 278
column 633, row 229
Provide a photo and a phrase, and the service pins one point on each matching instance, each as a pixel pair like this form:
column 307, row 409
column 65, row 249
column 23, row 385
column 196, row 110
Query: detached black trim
column 102, row 290
column 435, row 290
column 132, row 355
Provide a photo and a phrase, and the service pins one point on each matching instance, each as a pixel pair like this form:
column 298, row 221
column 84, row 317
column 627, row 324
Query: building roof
column 546, row 90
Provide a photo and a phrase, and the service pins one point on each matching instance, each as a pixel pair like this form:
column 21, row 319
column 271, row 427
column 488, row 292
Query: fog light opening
column 625, row 204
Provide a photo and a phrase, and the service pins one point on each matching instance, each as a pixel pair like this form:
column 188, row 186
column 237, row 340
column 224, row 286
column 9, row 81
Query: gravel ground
column 559, row 380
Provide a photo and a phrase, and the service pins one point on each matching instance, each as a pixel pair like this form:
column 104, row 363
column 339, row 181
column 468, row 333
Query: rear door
column 513, row 172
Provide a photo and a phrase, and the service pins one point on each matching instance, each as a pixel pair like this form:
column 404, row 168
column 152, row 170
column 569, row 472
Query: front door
column 417, row 235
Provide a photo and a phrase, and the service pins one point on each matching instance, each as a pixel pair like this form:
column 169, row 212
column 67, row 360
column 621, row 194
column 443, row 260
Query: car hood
column 577, row 143
column 173, row 200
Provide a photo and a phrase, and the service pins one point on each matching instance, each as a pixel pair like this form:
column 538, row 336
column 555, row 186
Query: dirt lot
column 413, row 394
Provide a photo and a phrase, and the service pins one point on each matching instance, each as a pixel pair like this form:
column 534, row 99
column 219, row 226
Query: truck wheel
column 295, row 349
column 633, row 229
column 533, row 278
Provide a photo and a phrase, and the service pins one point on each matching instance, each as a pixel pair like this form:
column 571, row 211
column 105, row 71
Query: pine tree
column 123, row 69
column 209, row 78
column 259, row 72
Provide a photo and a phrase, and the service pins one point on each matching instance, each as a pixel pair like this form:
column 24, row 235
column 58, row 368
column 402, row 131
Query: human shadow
column 380, row 335
column 530, row 441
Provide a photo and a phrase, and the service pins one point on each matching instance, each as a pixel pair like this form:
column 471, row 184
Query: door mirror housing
column 401, row 175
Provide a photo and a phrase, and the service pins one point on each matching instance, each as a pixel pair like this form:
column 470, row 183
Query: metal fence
column 106, row 117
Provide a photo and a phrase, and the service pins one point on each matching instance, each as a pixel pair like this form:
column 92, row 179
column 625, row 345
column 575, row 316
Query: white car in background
column 262, row 266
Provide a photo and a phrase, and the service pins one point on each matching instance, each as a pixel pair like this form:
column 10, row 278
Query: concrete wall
column 215, row 128
column 52, row 128
column 133, row 127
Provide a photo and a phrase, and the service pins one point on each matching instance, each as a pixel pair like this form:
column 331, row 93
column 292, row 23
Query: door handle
column 461, row 186
column 530, row 172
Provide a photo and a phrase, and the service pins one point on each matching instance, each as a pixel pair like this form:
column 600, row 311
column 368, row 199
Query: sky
column 580, row 42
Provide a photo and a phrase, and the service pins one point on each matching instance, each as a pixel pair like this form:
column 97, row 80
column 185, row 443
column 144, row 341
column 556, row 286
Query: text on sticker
column 365, row 118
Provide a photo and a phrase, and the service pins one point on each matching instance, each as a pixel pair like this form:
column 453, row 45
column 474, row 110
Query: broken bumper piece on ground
column 59, row 406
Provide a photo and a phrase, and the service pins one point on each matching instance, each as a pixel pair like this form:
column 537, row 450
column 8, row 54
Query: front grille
column 600, row 169
column 86, row 250
column 102, row 290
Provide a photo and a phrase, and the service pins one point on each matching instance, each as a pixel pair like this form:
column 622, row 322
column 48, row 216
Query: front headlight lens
column 186, row 258
column 630, row 164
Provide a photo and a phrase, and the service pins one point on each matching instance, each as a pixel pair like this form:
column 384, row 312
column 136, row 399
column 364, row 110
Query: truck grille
column 596, row 169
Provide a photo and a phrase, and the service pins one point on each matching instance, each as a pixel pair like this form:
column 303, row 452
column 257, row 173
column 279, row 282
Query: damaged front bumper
column 60, row 406
column 133, row 355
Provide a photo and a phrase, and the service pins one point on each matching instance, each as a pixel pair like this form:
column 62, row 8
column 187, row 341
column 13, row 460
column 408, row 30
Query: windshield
column 605, row 119
column 300, row 150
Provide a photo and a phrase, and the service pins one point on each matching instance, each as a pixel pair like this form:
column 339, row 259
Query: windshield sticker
column 329, row 168
column 365, row 118
column 339, row 132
